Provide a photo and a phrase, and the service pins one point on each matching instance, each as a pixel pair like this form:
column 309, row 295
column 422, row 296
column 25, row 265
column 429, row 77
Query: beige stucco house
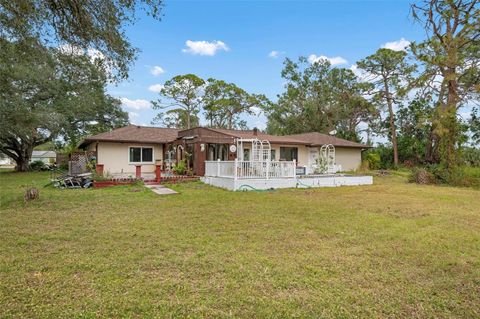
column 125, row 150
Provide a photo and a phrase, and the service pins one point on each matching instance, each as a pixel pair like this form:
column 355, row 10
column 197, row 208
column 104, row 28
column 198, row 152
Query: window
column 141, row 155
column 288, row 153
column 147, row 154
column 272, row 155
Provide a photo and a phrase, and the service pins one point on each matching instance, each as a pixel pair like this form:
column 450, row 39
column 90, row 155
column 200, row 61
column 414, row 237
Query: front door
column 313, row 154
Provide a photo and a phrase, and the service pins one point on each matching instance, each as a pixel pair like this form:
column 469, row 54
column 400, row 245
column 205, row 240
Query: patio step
column 161, row 190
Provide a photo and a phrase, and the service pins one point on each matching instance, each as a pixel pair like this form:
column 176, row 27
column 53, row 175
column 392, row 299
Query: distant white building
column 6, row 161
column 48, row 157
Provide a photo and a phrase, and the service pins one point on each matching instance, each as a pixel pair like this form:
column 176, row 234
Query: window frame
column 274, row 153
column 141, row 155
column 290, row 148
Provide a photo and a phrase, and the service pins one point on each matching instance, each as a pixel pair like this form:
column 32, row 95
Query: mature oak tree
column 56, row 57
column 45, row 94
column 88, row 25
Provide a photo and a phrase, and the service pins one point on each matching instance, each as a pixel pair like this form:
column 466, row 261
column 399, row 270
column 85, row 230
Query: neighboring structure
column 6, row 161
column 48, row 157
column 129, row 149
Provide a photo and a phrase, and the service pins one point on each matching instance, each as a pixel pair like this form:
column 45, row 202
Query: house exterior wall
column 302, row 153
column 349, row 158
column 115, row 157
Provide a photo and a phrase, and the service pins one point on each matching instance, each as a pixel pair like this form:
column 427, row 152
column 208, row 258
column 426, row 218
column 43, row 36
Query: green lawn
column 388, row 250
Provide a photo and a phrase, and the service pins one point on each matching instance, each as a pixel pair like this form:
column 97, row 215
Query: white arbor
column 260, row 150
column 326, row 159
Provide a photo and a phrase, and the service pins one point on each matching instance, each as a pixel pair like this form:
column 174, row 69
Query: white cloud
column 361, row 74
column 204, row 47
column 275, row 54
column 312, row 58
column 400, row 45
column 155, row 88
column 157, row 70
column 132, row 115
column 138, row 104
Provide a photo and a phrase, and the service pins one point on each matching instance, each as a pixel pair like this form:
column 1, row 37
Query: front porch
column 249, row 175
column 261, row 172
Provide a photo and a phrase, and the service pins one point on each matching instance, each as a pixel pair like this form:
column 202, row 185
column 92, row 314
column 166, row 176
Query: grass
column 389, row 250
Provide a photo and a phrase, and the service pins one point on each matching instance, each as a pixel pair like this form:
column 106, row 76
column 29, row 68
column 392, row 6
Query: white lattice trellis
column 327, row 159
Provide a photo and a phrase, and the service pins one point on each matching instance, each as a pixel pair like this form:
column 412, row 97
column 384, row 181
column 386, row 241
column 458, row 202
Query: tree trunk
column 429, row 148
column 22, row 165
column 448, row 122
column 23, row 159
column 393, row 129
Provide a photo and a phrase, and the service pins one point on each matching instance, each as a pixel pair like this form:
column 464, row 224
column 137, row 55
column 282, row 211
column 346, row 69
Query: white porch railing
column 247, row 169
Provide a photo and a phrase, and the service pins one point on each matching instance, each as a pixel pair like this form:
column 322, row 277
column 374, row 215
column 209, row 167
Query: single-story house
column 48, row 157
column 123, row 150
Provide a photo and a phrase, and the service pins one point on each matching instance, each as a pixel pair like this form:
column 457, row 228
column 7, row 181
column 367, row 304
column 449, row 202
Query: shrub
column 437, row 174
column 180, row 168
column 471, row 156
column 381, row 157
column 374, row 160
column 37, row 166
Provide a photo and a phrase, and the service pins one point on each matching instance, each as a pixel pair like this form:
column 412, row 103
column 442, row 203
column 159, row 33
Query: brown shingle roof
column 318, row 139
column 261, row 136
column 134, row 133
column 144, row 134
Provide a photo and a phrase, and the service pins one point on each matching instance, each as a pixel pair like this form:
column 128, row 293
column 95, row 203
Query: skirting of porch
column 274, row 183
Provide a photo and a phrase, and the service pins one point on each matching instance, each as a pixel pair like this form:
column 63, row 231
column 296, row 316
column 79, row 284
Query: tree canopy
column 184, row 97
column 226, row 102
column 390, row 74
column 450, row 57
column 46, row 94
column 319, row 98
column 89, row 25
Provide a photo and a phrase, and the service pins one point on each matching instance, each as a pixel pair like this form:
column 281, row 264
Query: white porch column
column 218, row 167
column 235, row 168
column 267, row 164
column 294, row 168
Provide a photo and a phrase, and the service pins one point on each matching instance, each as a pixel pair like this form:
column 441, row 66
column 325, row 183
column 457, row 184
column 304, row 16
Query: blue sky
column 233, row 41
